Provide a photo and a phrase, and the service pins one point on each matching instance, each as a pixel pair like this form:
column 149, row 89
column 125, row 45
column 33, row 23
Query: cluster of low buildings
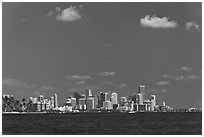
column 40, row 104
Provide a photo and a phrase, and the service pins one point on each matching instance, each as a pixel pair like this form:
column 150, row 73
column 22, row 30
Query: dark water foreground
column 103, row 124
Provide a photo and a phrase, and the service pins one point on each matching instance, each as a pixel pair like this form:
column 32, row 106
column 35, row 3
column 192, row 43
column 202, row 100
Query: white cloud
column 182, row 77
column 157, row 22
column 77, row 77
column 69, row 14
column 122, row 85
column 162, row 83
column 184, row 68
column 192, row 25
column 106, row 74
column 107, row 82
column 81, row 82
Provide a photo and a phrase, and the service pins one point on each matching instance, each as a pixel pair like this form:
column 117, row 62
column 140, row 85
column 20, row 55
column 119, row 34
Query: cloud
column 192, row 25
column 182, row 77
column 68, row 14
column 106, row 74
column 26, row 20
column 162, row 83
column 155, row 91
column 108, row 45
column 184, row 68
column 81, row 82
column 122, row 85
column 77, row 77
column 157, row 22
column 107, row 82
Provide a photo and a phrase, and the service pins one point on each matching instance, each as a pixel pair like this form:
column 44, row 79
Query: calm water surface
column 103, row 124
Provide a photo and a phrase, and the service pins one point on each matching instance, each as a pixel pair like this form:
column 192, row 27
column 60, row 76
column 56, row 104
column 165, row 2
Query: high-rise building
column 90, row 103
column 102, row 99
column 52, row 102
column 107, row 104
column 55, row 101
column 140, row 99
column 41, row 98
column 88, row 93
column 73, row 102
column 114, row 98
column 123, row 101
column 106, row 96
column 142, row 89
column 153, row 102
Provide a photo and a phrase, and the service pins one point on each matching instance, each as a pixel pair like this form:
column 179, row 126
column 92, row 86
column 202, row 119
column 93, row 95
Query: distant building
column 90, row 103
column 141, row 94
column 55, row 101
column 102, row 99
column 106, row 96
column 140, row 99
column 114, row 98
column 52, row 102
column 153, row 102
column 88, row 93
column 123, row 101
column 41, row 98
column 107, row 105
column 73, row 102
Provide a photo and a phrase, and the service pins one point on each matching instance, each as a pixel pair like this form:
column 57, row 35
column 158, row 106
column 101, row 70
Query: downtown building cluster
column 40, row 104
column 109, row 102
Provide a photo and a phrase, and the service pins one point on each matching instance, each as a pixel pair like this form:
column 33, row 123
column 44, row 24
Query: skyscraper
column 106, row 96
column 102, row 99
column 141, row 94
column 88, row 93
column 153, row 102
column 52, row 102
column 55, row 101
column 114, row 98
column 140, row 99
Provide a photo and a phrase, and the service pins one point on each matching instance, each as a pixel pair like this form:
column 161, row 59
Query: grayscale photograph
column 101, row 68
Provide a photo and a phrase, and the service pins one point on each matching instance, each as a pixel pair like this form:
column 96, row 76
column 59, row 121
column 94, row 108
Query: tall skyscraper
column 55, row 101
column 140, row 99
column 106, row 96
column 102, row 98
column 52, row 102
column 141, row 94
column 153, row 102
column 114, row 98
column 88, row 93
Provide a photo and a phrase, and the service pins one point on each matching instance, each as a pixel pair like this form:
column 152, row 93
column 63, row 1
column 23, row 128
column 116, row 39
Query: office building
column 107, row 105
column 114, row 98
column 90, row 103
column 73, row 102
column 106, row 96
column 102, row 99
column 88, row 93
column 140, row 98
column 55, row 101
column 153, row 102
column 52, row 102
column 41, row 98
column 123, row 101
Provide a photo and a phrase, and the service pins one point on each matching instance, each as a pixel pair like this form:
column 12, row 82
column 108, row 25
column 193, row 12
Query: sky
column 68, row 47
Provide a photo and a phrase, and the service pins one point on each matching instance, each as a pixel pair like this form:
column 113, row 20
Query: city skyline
column 68, row 47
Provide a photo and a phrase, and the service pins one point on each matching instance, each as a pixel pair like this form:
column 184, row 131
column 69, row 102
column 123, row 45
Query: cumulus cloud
column 106, row 74
column 184, row 68
column 77, row 77
column 81, row 82
column 162, row 83
column 157, row 22
column 68, row 14
column 123, row 85
column 182, row 77
column 192, row 25
column 107, row 82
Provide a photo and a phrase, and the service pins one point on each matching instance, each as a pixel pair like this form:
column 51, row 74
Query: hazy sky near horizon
column 62, row 48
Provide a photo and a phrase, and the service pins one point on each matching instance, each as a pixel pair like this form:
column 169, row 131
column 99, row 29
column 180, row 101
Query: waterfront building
column 102, row 99
column 41, row 98
column 107, row 105
column 123, row 101
column 52, row 102
column 153, row 102
column 114, row 98
column 142, row 108
column 38, row 106
column 135, row 107
column 34, row 100
column 106, row 96
column 132, row 106
column 88, row 93
column 55, row 101
column 73, row 102
column 90, row 103
column 140, row 99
